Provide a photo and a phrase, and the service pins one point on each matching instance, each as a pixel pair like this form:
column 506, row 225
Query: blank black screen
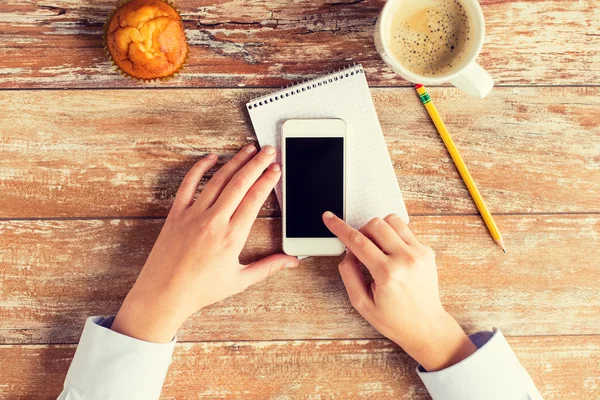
column 314, row 174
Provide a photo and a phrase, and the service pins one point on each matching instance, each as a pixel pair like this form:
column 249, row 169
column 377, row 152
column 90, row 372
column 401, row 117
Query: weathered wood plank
column 58, row 43
column 562, row 367
column 124, row 153
column 56, row 273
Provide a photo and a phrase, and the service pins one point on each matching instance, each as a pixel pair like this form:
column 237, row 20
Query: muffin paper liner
column 125, row 74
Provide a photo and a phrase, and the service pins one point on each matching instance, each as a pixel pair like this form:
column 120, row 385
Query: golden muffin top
column 146, row 39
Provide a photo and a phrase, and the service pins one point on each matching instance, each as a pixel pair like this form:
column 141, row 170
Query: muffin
column 146, row 40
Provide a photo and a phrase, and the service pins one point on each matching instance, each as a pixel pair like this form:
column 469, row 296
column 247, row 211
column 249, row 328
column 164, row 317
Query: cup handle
column 474, row 81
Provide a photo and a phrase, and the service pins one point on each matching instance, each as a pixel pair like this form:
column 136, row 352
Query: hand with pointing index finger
column 402, row 301
column 195, row 260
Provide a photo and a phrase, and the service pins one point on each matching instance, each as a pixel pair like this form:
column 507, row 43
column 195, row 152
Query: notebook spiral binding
column 307, row 84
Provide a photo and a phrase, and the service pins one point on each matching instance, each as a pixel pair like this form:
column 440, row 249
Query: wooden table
column 88, row 173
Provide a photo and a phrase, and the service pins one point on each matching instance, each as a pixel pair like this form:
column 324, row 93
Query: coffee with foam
column 430, row 37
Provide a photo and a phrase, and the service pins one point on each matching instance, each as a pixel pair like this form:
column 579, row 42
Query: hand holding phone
column 313, row 158
column 195, row 260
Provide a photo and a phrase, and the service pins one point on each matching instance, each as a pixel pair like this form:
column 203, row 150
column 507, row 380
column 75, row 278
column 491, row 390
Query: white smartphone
column 313, row 153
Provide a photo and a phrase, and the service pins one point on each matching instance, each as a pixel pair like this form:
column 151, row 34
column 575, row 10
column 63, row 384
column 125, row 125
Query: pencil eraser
column 418, row 85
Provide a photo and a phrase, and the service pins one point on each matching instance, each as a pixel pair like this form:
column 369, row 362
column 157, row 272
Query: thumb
column 262, row 269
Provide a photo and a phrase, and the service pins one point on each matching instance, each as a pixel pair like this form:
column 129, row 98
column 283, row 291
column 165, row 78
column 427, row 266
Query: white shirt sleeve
column 493, row 372
column 111, row 366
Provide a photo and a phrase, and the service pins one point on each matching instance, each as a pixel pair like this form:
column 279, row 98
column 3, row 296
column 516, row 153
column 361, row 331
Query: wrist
column 146, row 318
column 446, row 344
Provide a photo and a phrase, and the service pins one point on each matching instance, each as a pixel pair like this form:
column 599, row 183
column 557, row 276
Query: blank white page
column 371, row 188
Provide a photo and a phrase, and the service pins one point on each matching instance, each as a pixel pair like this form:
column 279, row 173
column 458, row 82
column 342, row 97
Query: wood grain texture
column 54, row 274
column 117, row 154
column 58, row 43
column 562, row 367
column 124, row 153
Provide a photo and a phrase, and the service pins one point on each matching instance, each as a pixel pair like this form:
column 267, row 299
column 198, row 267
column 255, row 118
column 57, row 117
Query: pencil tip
column 500, row 243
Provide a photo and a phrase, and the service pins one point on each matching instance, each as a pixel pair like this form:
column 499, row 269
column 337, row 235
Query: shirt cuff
column 108, row 365
column 493, row 372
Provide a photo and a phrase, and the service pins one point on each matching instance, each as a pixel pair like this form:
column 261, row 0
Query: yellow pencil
column 460, row 165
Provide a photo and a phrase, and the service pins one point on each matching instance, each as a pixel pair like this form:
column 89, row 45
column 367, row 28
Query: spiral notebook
column 372, row 188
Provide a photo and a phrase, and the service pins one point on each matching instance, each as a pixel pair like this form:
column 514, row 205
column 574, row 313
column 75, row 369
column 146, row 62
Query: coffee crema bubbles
column 430, row 37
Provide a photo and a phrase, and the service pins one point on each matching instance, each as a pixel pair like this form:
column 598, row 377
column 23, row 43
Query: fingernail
column 275, row 167
column 291, row 264
column 250, row 149
column 328, row 214
column 270, row 150
column 211, row 156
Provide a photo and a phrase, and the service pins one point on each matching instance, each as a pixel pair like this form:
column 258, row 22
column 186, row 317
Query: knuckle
column 274, row 267
column 356, row 238
column 254, row 195
column 239, row 182
column 334, row 224
column 240, row 156
column 271, row 269
column 185, row 183
column 201, row 164
column 217, row 180
column 261, row 160
column 274, row 175
column 198, row 167
column 391, row 218
column 375, row 221
column 213, row 226
column 359, row 303
column 187, row 179
column 383, row 264
column 373, row 225
column 344, row 264
column 397, row 275
column 411, row 260
column 393, row 275
column 263, row 157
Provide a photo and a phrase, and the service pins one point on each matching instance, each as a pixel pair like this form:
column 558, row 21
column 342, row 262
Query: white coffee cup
column 468, row 76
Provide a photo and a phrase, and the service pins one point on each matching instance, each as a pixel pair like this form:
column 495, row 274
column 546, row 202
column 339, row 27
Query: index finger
column 248, row 210
column 240, row 183
column 364, row 249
